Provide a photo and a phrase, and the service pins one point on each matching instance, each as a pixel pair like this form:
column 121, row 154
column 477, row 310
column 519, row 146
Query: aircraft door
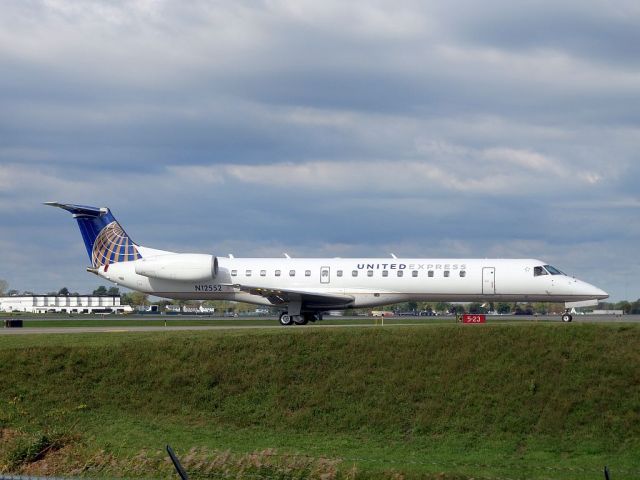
column 488, row 281
column 325, row 275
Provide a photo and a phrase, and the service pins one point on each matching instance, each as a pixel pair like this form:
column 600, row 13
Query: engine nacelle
column 187, row 267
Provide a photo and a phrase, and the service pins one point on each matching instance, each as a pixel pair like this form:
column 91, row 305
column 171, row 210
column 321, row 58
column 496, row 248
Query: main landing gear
column 286, row 319
column 566, row 316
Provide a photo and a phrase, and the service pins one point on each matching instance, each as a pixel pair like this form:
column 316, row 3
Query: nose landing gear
column 566, row 316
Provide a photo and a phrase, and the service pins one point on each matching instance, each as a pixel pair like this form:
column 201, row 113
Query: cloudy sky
column 323, row 128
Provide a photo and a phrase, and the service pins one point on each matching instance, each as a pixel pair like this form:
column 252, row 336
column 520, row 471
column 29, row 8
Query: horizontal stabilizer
column 79, row 209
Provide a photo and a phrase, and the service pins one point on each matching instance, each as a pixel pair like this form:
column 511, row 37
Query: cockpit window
column 553, row 270
column 537, row 271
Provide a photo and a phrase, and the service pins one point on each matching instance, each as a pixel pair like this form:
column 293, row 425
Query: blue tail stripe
column 87, row 237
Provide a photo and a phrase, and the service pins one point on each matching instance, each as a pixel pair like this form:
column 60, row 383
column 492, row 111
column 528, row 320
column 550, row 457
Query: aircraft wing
column 309, row 299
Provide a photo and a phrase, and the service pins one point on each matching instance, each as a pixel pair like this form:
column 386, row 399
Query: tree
column 125, row 299
column 3, row 286
column 139, row 298
column 540, row 308
column 457, row 309
column 63, row 291
column 477, row 308
column 523, row 310
column 503, row 308
column 442, row 307
column 425, row 307
column 624, row 306
column 13, row 292
column 101, row 290
column 115, row 291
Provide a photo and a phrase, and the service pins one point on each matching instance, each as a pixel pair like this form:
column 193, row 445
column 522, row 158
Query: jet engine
column 187, row 267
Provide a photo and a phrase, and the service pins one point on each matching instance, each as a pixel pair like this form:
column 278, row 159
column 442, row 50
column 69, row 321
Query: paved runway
column 48, row 330
column 233, row 326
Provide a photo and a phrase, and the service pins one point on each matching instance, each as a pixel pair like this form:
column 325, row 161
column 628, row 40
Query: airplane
column 305, row 288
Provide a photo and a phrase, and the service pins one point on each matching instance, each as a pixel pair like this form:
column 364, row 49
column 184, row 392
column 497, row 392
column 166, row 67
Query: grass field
column 437, row 401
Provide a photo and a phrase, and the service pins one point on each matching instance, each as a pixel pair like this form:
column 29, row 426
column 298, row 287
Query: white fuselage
column 367, row 281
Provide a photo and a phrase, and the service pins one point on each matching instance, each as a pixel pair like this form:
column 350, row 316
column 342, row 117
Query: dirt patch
column 7, row 435
column 53, row 462
column 33, row 454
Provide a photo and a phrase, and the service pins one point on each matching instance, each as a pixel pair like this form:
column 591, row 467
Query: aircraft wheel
column 300, row 320
column 567, row 317
column 285, row 319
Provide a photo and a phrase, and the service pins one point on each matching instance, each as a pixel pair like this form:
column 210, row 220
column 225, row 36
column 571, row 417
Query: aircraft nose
column 595, row 292
column 601, row 294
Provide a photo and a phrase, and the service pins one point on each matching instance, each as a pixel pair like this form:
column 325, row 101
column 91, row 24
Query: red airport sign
column 474, row 318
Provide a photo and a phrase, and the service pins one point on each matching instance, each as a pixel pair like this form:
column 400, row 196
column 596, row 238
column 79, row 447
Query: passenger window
column 307, row 273
column 339, row 273
column 463, row 273
column 354, row 273
column 400, row 273
column 248, row 273
column 234, row 273
column 414, row 273
column 369, row 273
column 430, row 273
column 277, row 273
column 263, row 273
column 385, row 273
column 446, row 273
column 292, row 273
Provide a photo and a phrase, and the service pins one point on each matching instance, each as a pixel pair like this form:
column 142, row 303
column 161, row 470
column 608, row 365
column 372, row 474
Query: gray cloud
column 597, row 31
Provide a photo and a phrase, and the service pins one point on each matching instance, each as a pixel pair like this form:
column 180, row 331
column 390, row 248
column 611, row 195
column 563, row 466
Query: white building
column 193, row 310
column 63, row 304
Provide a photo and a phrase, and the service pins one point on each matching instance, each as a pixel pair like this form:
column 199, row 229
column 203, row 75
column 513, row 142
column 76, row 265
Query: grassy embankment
column 503, row 401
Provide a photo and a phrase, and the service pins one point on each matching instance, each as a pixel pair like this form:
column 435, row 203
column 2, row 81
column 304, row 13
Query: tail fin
column 103, row 236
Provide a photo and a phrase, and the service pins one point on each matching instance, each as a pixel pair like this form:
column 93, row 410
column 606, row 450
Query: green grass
column 499, row 401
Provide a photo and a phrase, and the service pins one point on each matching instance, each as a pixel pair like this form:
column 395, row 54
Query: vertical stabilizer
column 105, row 239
